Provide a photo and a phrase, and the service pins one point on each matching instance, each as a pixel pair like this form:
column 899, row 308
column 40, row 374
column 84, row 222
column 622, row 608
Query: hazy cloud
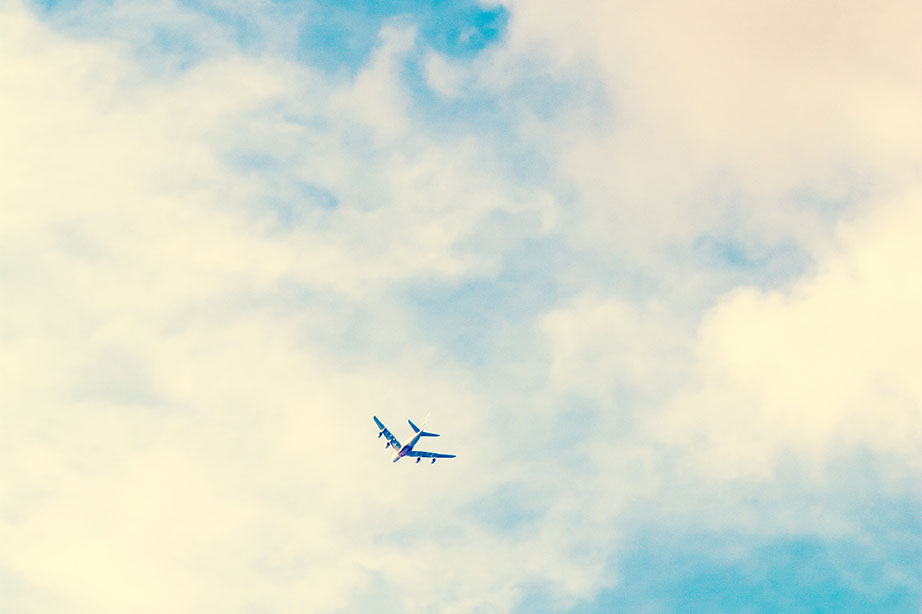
column 673, row 248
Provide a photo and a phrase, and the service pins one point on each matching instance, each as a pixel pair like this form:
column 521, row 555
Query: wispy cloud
column 651, row 269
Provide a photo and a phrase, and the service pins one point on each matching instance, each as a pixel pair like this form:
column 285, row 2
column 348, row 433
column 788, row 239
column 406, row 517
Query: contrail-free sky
column 652, row 267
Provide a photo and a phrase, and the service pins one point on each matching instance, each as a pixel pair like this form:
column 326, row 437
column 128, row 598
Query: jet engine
column 433, row 461
column 418, row 459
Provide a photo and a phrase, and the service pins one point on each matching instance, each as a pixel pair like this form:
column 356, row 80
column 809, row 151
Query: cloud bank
column 653, row 270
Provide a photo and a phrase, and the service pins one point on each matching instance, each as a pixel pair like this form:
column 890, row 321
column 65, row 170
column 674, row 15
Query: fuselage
column 405, row 449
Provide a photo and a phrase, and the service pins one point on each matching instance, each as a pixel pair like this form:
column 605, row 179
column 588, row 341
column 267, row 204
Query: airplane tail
column 424, row 433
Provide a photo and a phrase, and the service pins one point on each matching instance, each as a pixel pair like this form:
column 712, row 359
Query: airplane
column 407, row 450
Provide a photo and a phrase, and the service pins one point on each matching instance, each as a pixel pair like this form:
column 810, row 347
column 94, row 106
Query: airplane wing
column 429, row 454
column 390, row 438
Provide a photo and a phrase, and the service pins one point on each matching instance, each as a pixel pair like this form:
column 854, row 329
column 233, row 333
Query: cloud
column 132, row 264
column 218, row 261
column 713, row 110
column 442, row 77
column 764, row 405
column 190, row 366
column 606, row 347
column 825, row 366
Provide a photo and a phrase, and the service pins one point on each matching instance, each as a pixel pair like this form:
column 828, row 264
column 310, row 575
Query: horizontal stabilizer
column 424, row 433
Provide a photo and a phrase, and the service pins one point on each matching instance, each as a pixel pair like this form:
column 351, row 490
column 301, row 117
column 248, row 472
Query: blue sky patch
column 798, row 575
column 335, row 36
column 58, row 5
column 745, row 261
column 339, row 35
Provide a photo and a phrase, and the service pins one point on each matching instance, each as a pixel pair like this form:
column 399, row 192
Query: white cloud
column 602, row 346
column 443, row 76
column 723, row 115
column 194, row 340
column 827, row 366
column 188, row 371
column 696, row 417
column 763, row 123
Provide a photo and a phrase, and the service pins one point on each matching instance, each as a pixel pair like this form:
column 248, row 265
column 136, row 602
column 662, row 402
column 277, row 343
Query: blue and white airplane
column 407, row 450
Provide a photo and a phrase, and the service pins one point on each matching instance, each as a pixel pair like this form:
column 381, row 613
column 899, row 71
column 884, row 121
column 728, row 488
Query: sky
column 652, row 267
